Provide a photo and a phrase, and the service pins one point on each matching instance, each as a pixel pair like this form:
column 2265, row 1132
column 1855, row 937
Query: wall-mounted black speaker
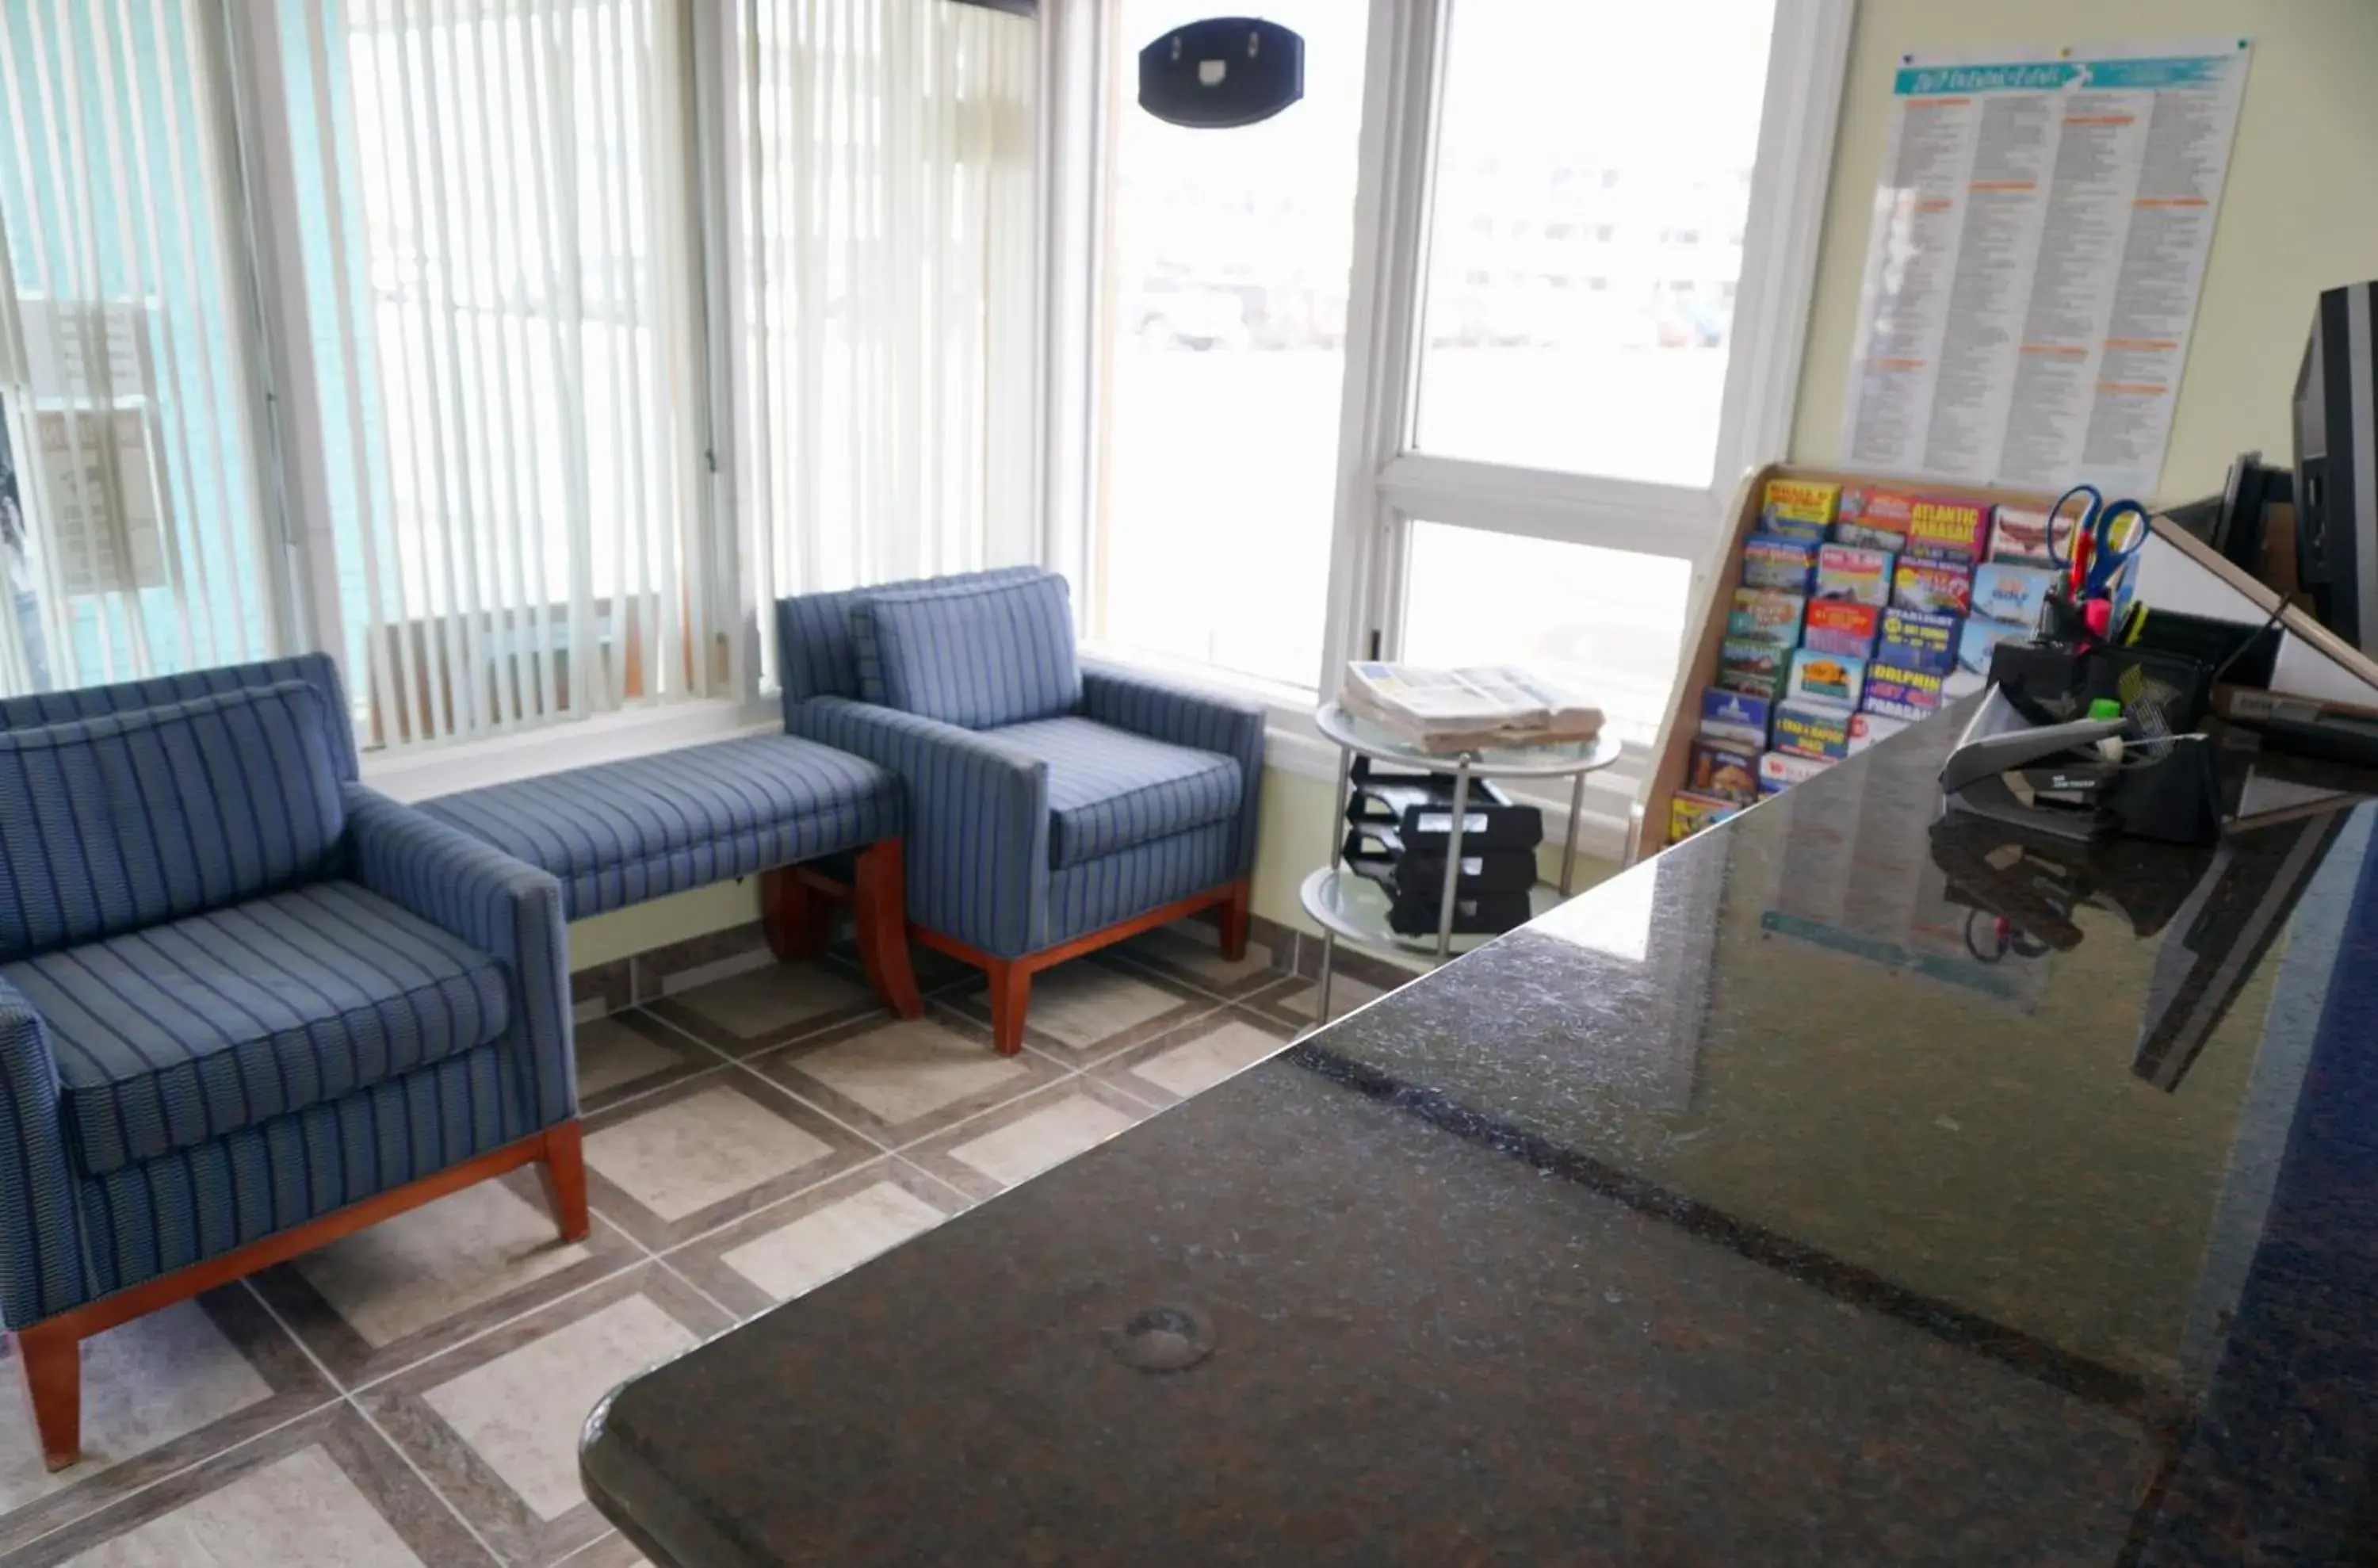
column 1222, row 72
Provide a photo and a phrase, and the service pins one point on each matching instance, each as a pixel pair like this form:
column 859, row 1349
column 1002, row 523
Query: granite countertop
column 1776, row 1201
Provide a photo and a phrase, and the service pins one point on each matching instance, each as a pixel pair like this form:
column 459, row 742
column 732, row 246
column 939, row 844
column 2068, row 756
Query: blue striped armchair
column 1053, row 807
column 246, row 1006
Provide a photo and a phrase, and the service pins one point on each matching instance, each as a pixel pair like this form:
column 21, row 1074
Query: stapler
column 2046, row 777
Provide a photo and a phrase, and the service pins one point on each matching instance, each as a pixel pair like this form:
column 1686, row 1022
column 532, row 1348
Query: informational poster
column 2039, row 240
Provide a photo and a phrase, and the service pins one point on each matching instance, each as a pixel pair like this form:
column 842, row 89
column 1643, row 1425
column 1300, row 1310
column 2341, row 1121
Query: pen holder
column 2175, row 798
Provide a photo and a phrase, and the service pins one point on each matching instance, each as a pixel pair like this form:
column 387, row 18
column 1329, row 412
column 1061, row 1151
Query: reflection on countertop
column 1840, row 1186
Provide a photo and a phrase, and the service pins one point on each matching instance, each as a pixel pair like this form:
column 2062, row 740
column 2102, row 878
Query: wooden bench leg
column 796, row 915
column 51, row 1357
column 564, row 1170
column 1234, row 919
column 880, row 890
column 1010, row 994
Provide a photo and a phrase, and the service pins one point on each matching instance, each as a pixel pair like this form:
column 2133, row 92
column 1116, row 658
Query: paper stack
column 1459, row 710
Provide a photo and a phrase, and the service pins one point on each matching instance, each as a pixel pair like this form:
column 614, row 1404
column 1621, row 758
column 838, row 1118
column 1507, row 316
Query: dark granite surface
column 1770, row 1203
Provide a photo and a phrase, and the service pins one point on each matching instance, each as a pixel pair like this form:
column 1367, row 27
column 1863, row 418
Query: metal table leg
column 1568, row 855
column 1328, row 967
column 1452, row 861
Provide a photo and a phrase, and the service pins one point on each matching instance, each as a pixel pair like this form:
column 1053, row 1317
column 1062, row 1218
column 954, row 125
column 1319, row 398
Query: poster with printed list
column 2038, row 244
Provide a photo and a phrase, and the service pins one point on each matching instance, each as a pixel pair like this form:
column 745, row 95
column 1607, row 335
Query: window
column 1631, row 387
column 133, row 527
column 1223, row 338
column 885, row 186
column 1603, row 620
column 1547, row 463
column 498, row 254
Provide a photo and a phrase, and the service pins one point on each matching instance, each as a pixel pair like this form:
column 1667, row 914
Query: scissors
column 2101, row 546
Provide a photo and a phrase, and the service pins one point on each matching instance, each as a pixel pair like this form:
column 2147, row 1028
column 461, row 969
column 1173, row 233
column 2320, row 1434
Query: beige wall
column 2299, row 213
column 722, row 906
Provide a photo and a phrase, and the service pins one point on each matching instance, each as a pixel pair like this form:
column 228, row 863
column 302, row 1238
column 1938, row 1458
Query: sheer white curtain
column 884, row 173
column 132, row 525
column 499, row 240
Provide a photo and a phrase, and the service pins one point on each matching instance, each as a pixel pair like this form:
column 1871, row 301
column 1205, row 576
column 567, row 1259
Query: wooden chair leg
column 1235, row 919
column 880, row 890
column 51, row 1357
column 1010, row 993
column 564, row 1169
column 797, row 917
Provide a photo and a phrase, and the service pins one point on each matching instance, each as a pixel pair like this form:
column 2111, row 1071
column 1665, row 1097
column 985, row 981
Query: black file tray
column 1419, row 807
column 1379, row 853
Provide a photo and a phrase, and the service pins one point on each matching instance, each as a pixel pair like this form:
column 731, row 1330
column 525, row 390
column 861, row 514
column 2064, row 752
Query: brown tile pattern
column 160, row 1393
column 522, row 1498
column 690, row 1158
column 897, row 1081
column 1092, row 1007
column 749, row 1012
column 378, row 1507
column 736, row 1155
column 784, row 1250
column 998, row 1148
column 1192, row 1057
column 430, row 1279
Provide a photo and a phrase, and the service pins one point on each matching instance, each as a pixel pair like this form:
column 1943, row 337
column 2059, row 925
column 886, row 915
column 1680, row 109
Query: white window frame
column 1383, row 484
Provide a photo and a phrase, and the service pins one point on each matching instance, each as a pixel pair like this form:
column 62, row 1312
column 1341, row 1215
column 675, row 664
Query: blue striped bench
column 619, row 833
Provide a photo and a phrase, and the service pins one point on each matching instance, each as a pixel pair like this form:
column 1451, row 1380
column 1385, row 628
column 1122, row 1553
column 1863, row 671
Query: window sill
column 422, row 773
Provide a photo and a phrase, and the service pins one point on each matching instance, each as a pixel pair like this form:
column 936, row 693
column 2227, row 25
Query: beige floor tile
column 1053, row 1131
column 686, row 1154
column 436, row 1261
column 769, row 1001
column 298, row 1511
column 520, row 1413
column 1198, row 1064
column 1196, row 947
column 1082, row 1005
column 910, row 1069
column 144, row 1385
column 1345, row 995
column 805, row 1254
column 611, row 1054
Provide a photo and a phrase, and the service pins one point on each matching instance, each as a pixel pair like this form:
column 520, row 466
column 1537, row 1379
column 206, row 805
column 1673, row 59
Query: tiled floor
column 414, row 1394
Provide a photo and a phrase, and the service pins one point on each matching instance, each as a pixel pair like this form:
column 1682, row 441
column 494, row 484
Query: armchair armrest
column 1183, row 716
column 41, row 1230
column 501, row 905
column 977, row 837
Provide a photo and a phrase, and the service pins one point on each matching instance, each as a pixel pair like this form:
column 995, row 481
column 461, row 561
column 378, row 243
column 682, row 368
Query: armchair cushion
column 125, row 820
column 979, row 657
column 1111, row 790
column 181, row 1033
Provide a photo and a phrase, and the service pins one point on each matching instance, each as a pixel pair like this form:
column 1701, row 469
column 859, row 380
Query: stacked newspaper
column 1459, row 710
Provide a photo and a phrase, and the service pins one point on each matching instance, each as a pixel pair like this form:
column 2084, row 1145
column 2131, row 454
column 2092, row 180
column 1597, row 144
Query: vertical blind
column 884, row 168
column 133, row 517
column 498, row 234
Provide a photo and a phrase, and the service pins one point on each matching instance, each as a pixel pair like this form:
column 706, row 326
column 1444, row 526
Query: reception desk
column 1842, row 1186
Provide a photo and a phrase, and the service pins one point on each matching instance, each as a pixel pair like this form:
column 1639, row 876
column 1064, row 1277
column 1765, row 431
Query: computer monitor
column 2337, row 465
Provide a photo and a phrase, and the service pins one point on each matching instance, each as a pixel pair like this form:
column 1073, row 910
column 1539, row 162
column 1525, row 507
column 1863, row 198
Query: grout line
column 509, row 1318
column 577, row 1553
column 734, row 1318
column 726, row 1060
column 72, row 1520
column 397, row 1448
column 347, row 1397
column 965, row 1197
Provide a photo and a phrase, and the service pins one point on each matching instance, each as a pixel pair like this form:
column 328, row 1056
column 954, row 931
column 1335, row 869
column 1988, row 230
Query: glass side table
column 1353, row 909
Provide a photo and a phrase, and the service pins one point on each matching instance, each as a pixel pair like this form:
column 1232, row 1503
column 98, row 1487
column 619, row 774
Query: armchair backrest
column 816, row 655
column 93, row 702
column 125, row 820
